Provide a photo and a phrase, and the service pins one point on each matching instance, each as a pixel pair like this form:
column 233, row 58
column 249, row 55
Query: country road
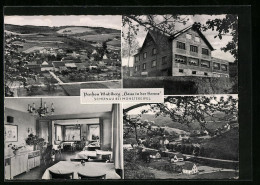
column 56, row 78
column 198, row 157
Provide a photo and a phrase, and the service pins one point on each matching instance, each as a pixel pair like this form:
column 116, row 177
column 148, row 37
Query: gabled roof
column 158, row 35
column 80, row 65
column 179, row 155
column 175, row 35
column 58, row 63
column 188, row 166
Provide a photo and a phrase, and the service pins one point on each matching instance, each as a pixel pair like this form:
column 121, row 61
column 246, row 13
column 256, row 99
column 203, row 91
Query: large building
column 186, row 53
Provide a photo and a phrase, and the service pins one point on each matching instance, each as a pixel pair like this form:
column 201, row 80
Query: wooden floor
column 36, row 173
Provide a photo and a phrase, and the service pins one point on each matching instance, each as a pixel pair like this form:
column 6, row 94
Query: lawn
column 217, row 175
column 100, row 37
column 74, row 89
column 41, row 91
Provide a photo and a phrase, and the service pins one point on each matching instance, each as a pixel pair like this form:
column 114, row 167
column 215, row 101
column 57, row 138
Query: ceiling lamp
column 42, row 111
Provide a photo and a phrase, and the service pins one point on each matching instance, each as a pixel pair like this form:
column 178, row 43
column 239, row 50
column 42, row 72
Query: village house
column 71, row 65
column 47, row 66
column 33, row 67
column 189, row 168
column 177, row 158
column 81, row 66
column 59, row 66
column 186, row 53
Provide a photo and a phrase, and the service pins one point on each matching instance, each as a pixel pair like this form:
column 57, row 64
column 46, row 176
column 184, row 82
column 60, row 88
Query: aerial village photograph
column 59, row 55
column 184, row 54
column 186, row 137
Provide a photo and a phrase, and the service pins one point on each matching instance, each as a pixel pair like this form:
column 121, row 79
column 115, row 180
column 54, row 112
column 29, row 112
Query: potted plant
column 35, row 141
column 15, row 148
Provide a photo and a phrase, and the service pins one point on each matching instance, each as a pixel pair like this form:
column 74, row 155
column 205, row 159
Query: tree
column 225, row 26
column 190, row 109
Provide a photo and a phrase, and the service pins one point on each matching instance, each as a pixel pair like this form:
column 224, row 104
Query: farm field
column 74, row 89
column 75, row 30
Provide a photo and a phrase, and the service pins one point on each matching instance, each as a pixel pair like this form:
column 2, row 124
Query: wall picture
column 11, row 133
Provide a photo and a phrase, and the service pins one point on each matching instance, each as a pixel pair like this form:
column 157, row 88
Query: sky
column 215, row 42
column 107, row 21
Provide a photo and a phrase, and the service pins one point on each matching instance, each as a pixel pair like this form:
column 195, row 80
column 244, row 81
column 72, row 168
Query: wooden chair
column 61, row 175
column 83, row 176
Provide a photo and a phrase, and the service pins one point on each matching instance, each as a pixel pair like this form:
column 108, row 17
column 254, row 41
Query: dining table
column 89, row 169
column 86, row 154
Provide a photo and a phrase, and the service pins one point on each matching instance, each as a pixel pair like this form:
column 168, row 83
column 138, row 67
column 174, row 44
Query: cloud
column 31, row 20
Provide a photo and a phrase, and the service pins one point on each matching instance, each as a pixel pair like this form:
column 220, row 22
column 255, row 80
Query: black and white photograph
column 59, row 55
column 127, row 94
column 59, row 138
column 184, row 54
column 186, row 137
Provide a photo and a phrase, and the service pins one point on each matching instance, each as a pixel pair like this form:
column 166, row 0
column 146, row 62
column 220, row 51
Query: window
column 72, row 133
column 164, row 60
column 154, row 63
column 58, row 133
column 136, row 68
column 194, row 48
column 224, row 67
column 194, row 61
column 94, row 132
column 144, row 66
column 136, row 58
column 180, row 59
column 197, row 39
column 145, row 55
column 180, row 45
column 206, row 74
column 205, row 63
column 188, row 36
column 193, row 72
column 205, row 51
column 216, row 66
column 180, row 70
column 154, row 51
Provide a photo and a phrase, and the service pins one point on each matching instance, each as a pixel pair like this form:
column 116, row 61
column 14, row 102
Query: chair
column 61, row 175
column 82, row 176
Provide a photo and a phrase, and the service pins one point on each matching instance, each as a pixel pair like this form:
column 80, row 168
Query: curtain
column 117, row 136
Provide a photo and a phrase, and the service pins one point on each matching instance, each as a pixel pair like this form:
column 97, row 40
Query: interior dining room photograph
column 60, row 138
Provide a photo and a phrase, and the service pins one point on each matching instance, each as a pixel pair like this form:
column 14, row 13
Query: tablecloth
column 90, row 168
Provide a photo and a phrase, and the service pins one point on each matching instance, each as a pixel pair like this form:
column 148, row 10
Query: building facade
column 186, row 53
